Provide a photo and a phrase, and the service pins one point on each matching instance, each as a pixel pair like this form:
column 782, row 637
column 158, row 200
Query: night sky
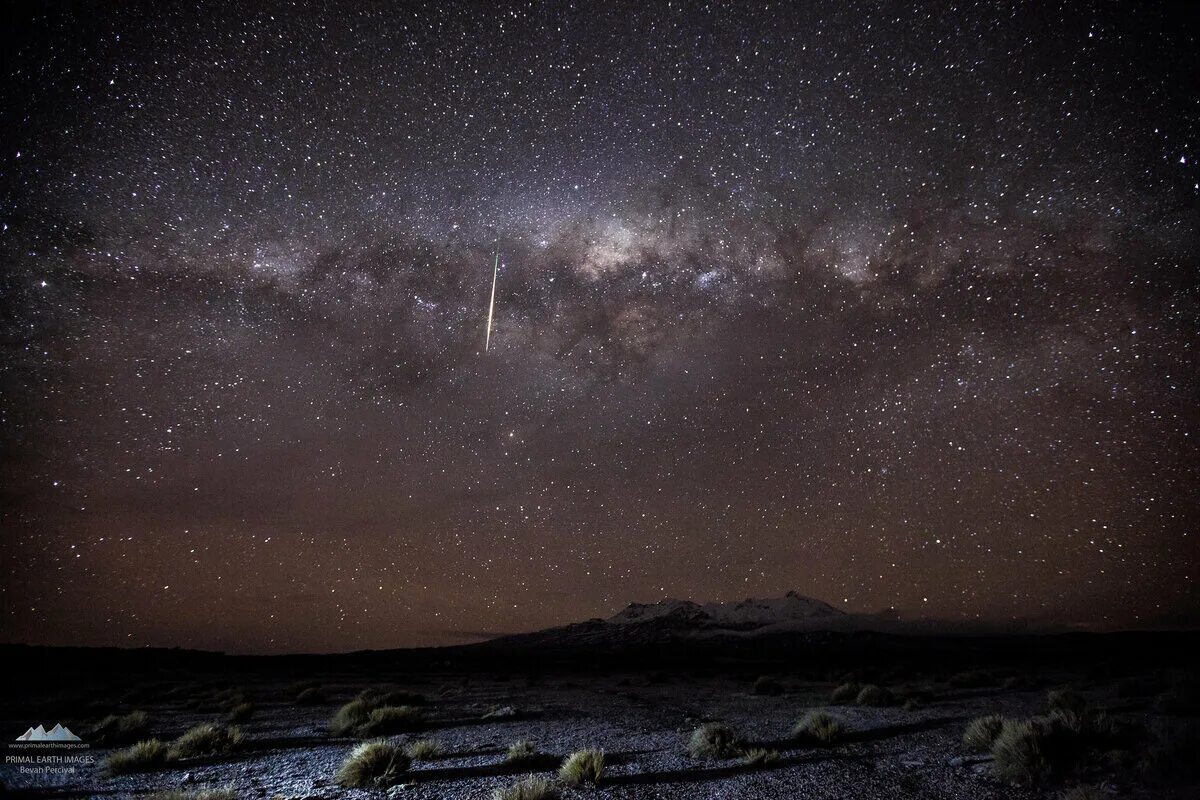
column 892, row 306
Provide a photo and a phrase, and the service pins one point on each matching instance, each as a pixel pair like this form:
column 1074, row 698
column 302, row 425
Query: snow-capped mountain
column 672, row 623
column 743, row 615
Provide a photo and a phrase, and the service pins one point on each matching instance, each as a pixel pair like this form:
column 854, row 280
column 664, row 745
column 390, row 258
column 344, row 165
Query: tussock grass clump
column 758, row 756
column 387, row 720
column 300, row 686
column 1065, row 700
column 1182, row 699
column 394, row 714
column 209, row 739
column 424, row 749
column 981, row 732
column 373, row 765
column 349, row 717
column 818, row 728
column 242, row 712
column 1035, row 750
column 846, row 693
column 520, row 752
column 121, row 728
column 714, row 740
column 229, row 698
column 144, row 756
column 1017, row 682
column 195, row 794
column 582, row 766
column 310, row 696
column 875, row 696
column 1171, row 756
column 531, row 787
column 768, row 686
column 501, row 712
column 376, row 696
column 1082, row 792
column 971, row 679
column 1019, row 750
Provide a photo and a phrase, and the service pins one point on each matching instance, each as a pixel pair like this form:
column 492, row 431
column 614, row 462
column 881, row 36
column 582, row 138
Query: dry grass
column 714, row 740
column 350, row 717
column 1082, row 792
column 310, row 696
column 209, row 739
column 583, row 766
column 981, row 732
column 145, row 756
column 242, row 712
column 195, row 794
column 1065, row 700
column 387, row 720
column 373, row 765
column 818, row 728
column 531, row 787
column 846, row 693
column 875, row 696
column 120, row 729
column 424, row 749
column 768, row 686
column 521, row 752
column 758, row 757
column 971, row 679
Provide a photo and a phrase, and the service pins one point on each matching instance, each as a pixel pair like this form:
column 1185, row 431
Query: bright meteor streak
column 492, row 303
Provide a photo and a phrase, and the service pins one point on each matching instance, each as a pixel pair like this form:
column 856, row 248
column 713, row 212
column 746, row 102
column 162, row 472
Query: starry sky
column 892, row 305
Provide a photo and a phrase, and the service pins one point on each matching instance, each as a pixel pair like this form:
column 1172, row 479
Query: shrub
column 531, row 787
column 240, row 713
column 971, row 679
column 209, row 739
column 195, row 794
column 1065, row 700
column 373, row 765
column 310, row 697
column 768, row 686
column 121, row 728
column 144, row 756
column 877, row 696
column 582, row 766
column 521, row 751
column 424, row 749
column 758, row 756
column 981, row 732
column 387, row 720
column 714, row 740
column 846, row 693
column 817, row 728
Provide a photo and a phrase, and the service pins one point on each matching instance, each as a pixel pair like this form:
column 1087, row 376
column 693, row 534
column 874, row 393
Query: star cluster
column 894, row 306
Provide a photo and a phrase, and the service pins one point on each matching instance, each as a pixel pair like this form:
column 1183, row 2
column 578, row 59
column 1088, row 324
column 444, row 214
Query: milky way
column 891, row 307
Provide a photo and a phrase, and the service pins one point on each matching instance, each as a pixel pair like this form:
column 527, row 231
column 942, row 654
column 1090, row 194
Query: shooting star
column 492, row 303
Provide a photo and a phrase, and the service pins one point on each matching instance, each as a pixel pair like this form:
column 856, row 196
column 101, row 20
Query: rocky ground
column 641, row 723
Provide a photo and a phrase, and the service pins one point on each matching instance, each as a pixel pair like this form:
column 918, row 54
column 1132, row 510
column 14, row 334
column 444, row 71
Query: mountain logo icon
column 56, row 734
